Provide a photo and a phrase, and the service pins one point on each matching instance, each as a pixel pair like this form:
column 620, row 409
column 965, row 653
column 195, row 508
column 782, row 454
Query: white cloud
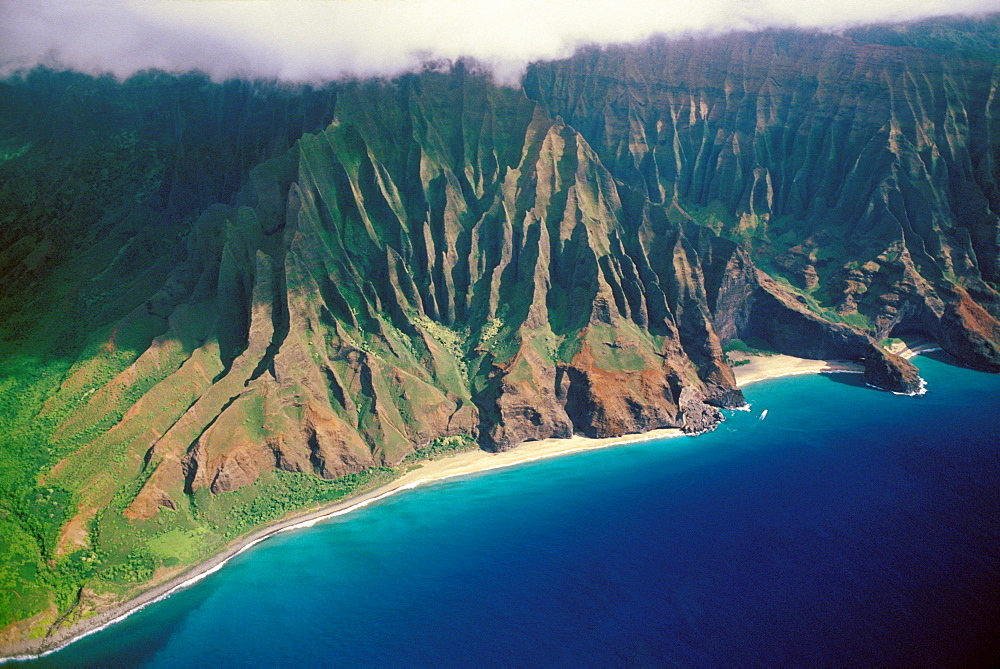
column 309, row 40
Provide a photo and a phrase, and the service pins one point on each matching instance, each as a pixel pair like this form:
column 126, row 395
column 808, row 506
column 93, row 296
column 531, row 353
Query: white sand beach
column 762, row 367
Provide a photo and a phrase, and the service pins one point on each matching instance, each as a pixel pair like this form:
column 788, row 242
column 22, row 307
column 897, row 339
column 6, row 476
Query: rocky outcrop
column 748, row 304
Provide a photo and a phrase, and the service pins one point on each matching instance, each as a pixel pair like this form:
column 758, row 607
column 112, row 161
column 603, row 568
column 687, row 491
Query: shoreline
column 430, row 471
column 760, row 368
column 763, row 368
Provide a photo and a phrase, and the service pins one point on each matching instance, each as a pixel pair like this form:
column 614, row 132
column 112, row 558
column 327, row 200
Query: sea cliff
column 223, row 303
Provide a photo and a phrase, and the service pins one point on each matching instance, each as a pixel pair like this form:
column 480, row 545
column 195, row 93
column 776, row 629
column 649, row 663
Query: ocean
column 847, row 527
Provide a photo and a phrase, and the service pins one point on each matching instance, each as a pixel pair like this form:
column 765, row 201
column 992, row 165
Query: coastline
column 759, row 368
column 430, row 471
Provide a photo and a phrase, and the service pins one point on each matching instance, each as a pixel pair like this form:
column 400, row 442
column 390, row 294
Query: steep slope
column 865, row 176
column 464, row 268
column 225, row 303
column 443, row 259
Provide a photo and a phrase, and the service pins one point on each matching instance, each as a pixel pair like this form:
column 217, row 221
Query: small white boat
column 763, row 414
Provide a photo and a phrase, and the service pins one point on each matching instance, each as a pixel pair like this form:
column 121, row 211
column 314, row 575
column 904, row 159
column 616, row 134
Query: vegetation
column 207, row 283
column 81, row 247
column 122, row 554
column 752, row 346
column 441, row 447
column 972, row 37
column 279, row 493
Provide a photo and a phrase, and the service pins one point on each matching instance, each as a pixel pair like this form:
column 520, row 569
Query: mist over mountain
column 223, row 302
column 321, row 40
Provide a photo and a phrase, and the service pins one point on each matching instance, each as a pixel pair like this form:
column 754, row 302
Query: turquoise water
column 850, row 526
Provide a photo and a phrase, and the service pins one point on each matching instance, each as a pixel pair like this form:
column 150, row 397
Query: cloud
column 312, row 40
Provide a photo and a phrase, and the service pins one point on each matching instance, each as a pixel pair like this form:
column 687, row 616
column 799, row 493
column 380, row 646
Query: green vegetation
column 890, row 342
column 124, row 554
column 441, row 447
column 217, row 288
column 490, row 330
column 752, row 346
column 452, row 341
column 972, row 37
column 81, row 248
column 279, row 493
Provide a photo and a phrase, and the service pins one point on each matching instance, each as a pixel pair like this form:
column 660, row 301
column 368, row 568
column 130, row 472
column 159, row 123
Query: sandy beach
column 760, row 367
column 467, row 463
column 913, row 347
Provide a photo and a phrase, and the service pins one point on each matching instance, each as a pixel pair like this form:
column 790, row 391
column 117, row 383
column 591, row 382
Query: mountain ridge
column 354, row 272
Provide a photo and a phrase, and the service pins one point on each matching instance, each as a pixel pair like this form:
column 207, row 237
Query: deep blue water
column 850, row 527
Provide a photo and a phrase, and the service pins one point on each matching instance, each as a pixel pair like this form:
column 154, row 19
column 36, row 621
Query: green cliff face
column 225, row 303
column 862, row 175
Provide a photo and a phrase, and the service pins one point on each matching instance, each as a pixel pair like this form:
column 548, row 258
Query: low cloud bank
column 316, row 40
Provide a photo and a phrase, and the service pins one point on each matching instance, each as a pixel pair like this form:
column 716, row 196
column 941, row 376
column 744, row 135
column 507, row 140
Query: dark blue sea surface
column 849, row 527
